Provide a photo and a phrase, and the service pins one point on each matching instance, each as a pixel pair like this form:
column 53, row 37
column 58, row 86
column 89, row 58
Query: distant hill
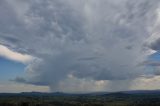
column 142, row 92
column 83, row 94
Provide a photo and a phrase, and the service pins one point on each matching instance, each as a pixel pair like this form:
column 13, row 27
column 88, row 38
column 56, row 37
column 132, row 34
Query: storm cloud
column 80, row 44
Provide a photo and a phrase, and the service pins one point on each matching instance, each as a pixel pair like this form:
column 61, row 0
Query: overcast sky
column 79, row 45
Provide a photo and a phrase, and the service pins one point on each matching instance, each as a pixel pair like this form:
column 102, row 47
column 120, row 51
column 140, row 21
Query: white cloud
column 9, row 54
column 146, row 83
column 9, row 87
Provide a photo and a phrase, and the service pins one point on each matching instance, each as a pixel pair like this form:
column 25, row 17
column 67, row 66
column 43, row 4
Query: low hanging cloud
column 79, row 42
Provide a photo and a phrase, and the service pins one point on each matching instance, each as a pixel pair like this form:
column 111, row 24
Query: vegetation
column 114, row 99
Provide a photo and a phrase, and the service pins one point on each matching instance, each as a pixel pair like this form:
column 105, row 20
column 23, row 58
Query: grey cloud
column 155, row 65
column 151, row 63
column 19, row 79
column 60, row 34
column 155, row 45
column 129, row 47
column 25, row 81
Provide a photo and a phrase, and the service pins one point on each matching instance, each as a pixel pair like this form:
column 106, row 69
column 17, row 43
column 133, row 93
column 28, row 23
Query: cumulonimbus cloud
column 87, row 39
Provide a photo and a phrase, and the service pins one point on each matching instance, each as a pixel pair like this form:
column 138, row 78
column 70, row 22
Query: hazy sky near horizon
column 79, row 45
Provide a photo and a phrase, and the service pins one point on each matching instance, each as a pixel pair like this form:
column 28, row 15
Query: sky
column 79, row 45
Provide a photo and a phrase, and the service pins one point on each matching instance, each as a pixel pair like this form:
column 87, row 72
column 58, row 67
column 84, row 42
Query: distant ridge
column 142, row 92
column 82, row 94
